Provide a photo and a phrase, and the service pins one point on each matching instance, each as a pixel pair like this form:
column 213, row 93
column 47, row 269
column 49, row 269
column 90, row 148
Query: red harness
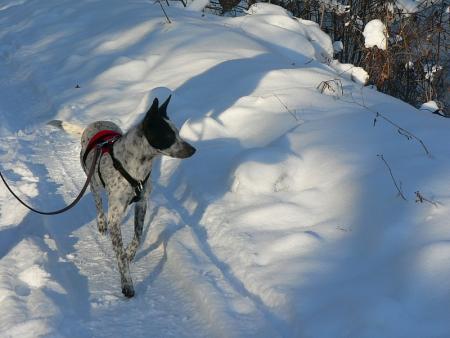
column 105, row 139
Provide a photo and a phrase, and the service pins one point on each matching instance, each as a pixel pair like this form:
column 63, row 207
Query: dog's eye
column 160, row 135
column 163, row 144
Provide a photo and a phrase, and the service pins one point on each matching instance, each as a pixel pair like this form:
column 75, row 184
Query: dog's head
column 162, row 134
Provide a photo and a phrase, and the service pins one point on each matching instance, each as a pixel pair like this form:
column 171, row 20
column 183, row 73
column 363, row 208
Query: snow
column 267, row 8
column 285, row 223
column 298, row 40
column 198, row 5
column 335, row 5
column 350, row 72
column 430, row 106
column 338, row 46
column 430, row 70
column 375, row 34
column 408, row 6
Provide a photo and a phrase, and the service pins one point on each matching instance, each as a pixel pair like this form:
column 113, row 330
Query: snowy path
column 80, row 261
column 192, row 294
column 160, row 309
column 66, row 252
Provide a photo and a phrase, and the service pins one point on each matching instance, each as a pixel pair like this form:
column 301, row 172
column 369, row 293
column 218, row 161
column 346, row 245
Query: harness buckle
column 139, row 188
column 109, row 141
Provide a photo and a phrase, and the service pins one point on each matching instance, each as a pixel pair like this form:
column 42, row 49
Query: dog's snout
column 182, row 150
column 188, row 150
column 191, row 150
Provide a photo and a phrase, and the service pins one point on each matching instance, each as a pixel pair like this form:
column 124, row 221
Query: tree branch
column 400, row 192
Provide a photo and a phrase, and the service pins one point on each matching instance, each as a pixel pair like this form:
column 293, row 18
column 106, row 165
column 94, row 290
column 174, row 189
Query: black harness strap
column 137, row 185
column 99, row 173
column 107, row 147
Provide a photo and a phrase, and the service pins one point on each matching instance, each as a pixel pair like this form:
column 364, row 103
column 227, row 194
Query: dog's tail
column 70, row 128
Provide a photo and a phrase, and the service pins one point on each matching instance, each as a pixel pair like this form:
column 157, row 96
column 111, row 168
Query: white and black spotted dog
column 123, row 170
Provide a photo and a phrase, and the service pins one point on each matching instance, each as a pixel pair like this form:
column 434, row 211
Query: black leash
column 98, row 150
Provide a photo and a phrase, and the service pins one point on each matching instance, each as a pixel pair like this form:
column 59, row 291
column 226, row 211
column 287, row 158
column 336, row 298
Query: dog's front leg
column 140, row 209
column 116, row 211
column 101, row 219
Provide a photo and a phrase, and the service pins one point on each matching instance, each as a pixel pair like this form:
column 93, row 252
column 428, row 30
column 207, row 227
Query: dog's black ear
column 151, row 113
column 154, row 108
column 163, row 108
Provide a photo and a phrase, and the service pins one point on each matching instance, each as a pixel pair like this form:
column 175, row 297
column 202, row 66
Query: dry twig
column 420, row 199
column 164, row 11
column 398, row 186
column 333, row 87
column 293, row 113
column 402, row 131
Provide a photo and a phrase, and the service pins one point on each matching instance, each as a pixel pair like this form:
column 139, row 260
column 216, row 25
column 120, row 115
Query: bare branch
column 420, row 199
column 400, row 192
column 402, row 131
column 331, row 87
column 162, row 7
column 293, row 113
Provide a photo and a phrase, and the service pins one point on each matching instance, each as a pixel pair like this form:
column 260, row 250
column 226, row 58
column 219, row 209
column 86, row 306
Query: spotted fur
column 136, row 150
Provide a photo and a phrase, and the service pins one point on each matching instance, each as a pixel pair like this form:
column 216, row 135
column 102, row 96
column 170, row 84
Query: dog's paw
column 128, row 291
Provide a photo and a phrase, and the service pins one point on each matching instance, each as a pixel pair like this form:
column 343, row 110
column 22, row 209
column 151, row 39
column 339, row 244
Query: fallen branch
column 333, row 87
column 420, row 199
column 398, row 186
column 406, row 133
column 293, row 113
column 402, row 131
column 164, row 11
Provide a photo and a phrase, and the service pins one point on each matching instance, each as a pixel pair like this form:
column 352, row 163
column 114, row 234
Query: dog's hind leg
column 115, row 214
column 140, row 209
column 101, row 219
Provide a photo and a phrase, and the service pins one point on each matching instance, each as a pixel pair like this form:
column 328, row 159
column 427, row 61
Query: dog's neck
column 135, row 153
